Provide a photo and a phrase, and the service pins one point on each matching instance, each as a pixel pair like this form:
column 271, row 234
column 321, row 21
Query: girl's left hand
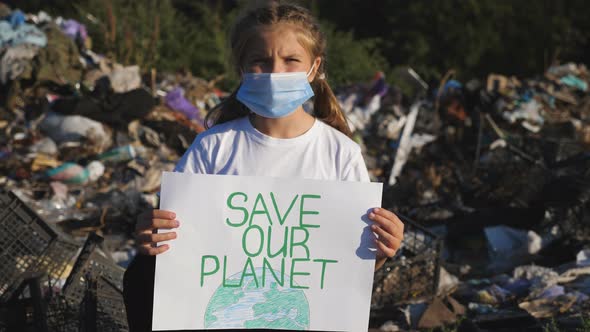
column 390, row 233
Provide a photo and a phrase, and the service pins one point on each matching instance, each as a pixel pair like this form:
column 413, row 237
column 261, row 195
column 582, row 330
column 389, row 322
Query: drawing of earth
column 249, row 306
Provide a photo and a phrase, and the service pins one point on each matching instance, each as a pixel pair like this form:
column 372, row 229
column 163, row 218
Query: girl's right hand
column 145, row 235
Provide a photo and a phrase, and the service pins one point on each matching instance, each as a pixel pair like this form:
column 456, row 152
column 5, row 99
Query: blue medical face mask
column 274, row 95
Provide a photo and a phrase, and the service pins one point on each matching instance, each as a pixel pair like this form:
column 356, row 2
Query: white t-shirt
column 237, row 148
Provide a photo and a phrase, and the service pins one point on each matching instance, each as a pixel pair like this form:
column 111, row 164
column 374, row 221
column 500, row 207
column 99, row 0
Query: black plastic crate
column 24, row 238
column 62, row 316
column 57, row 258
column 103, row 307
column 26, row 309
column 31, row 309
column 30, row 246
column 412, row 275
column 91, row 264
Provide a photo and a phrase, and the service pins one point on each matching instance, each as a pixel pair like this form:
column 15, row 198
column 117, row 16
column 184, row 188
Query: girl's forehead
column 284, row 39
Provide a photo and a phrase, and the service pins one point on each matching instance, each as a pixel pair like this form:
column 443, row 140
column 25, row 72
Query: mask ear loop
column 321, row 76
column 310, row 70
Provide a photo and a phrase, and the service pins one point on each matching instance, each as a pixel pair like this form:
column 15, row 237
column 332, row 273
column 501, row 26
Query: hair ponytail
column 327, row 108
column 227, row 110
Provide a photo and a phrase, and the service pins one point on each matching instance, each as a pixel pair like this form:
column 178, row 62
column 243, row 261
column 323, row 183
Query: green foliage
column 165, row 34
column 475, row 37
column 182, row 34
column 350, row 59
column 153, row 33
column 129, row 31
column 551, row 326
column 585, row 322
column 201, row 44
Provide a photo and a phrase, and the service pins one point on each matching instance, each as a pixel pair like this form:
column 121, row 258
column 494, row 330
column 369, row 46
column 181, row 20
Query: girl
column 262, row 129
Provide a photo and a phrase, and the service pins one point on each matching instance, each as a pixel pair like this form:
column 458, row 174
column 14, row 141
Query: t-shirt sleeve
column 356, row 169
column 194, row 160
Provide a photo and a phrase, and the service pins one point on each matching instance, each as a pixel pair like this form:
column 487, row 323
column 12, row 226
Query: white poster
column 257, row 252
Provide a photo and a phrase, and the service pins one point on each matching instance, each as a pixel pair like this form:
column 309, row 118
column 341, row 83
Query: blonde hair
column 326, row 106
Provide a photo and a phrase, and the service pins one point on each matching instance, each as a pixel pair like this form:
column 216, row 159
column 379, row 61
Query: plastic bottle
column 120, row 154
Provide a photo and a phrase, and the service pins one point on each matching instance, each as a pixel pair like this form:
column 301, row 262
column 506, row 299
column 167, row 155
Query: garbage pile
column 84, row 141
column 83, row 137
column 500, row 172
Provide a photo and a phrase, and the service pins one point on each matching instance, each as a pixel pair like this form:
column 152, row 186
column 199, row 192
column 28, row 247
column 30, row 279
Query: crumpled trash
column 519, row 287
column 379, row 85
column 64, row 128
column 494, row 295
column 143, row 134
column 390, row 326
column 583, row 258
column 391, row 126
column 447, row 283
column 502, row 84
column 551, row 292
column 41, row 17
column 417, row 141
column 124, row 258
column 566, row 69
column 574, row 82
column 73, row 29
column 540, row 277
column 530, row 113
column 481, row 309
column 543, row 308
column 15, row 18
column 413, row 312
column 116, row 110
column 45, row 146
column 16, row 60
column 573, row 274
column 360, row 116
column 21, row 34
column 505, row 242
column 581, row 284
column 405, row 145
column 440, row 313
column 125, row 79
column 59, row 61
column 43, row 161
column 175, row 100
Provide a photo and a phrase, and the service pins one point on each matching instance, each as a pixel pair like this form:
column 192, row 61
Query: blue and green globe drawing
column 255, row 306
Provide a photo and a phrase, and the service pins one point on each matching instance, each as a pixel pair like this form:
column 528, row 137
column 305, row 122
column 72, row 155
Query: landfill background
column 491, row 176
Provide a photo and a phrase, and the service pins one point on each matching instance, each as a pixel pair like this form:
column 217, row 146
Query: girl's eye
column 292, row 60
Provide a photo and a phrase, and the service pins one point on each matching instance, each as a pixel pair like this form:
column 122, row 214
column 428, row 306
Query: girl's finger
column 383, row 222
column 152, row 251
column 390, row 216
column 148, row 238
column 163, row 214
column 397, row 233
column 382, row 234
column 385, row 249
column 157, row 223
column 394, row 243
column 389, row 240
column 165, row 223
